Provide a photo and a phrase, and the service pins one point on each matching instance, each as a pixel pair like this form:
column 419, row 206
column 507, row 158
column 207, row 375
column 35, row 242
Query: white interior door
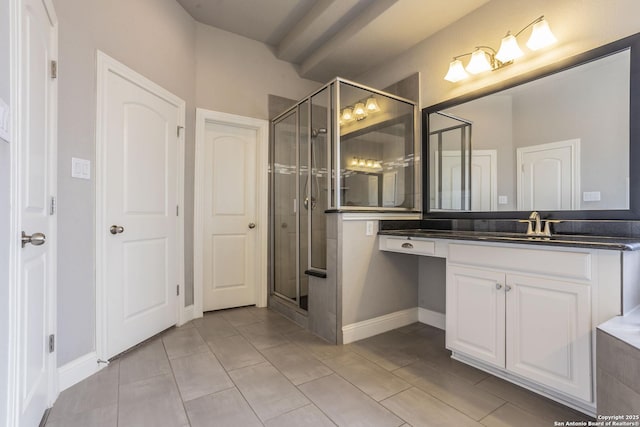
column 230, row 216
column 139, row 226
column 484, row 177
column 36, row 266
column 549, row 176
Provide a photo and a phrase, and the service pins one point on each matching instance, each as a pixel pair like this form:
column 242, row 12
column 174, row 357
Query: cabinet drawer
column 408, row 246
column 564, row 264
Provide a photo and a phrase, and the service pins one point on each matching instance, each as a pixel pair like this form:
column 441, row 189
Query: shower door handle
column 252, row 225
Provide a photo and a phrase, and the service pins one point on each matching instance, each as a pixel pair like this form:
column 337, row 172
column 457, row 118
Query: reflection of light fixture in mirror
column 359, row 111
column 372, row 105
column 365, row 165
column 485, row 58
column 347, row 115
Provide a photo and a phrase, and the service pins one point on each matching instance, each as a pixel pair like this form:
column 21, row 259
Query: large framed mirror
column 564, row 141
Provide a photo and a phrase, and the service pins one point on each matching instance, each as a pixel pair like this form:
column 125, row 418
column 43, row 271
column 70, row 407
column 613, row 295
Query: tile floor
column 252, row 367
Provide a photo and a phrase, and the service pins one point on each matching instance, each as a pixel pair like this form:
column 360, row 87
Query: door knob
column 252, row 225
column 36, row 239
column 116, row 229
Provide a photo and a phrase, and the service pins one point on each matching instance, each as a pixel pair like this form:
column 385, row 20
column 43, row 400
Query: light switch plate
column 5, row 121
column 369, row 228
column 80, row 168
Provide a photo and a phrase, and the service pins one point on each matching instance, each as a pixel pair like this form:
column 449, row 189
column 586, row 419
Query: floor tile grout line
column 175, row 381
column 506, row 402
column 319, row 408
column 246, row 400
column 439, row 400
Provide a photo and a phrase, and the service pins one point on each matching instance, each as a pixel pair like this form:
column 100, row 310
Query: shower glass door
column 285, row 207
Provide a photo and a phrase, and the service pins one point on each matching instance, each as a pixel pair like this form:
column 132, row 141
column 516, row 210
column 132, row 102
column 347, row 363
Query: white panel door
column 230, row 233
column 140, row 212
column 37, row 126
column 549, row 333
column 484, row 176
column 475, row 313
column 549, row 176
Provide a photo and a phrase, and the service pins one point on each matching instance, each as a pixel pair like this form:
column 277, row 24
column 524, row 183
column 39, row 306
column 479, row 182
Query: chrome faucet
column 537, row 231
column 538, row 227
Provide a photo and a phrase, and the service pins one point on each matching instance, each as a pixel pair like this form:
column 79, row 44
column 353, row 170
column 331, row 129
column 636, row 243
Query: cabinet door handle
column 507, row 288
column 498, row 286
column 407, row 245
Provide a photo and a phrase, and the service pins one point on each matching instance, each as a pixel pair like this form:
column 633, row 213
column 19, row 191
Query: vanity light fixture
column 360, row 110
column 347, row 115
column 484, row 58
column 372, row 105
column 365, row 165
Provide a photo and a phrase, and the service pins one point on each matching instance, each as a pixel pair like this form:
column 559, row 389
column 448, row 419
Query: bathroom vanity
column 526, row 309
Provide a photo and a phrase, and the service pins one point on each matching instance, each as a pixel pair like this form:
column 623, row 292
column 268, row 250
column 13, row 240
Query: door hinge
column 54, row 69
column 52, row 207
column 178, row 132
column 52, row 343
column 177, row 210
column 178, row 290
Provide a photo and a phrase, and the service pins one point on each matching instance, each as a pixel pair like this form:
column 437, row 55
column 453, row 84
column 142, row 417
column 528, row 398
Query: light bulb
column 479, row 62
column 541, row 35
column 347, row 114
column 372, row 105
column 456, row 72
column 359, row 111
column 509, row 49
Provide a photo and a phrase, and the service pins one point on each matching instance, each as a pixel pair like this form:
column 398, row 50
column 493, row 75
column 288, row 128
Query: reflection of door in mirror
column 549, row 178
column 389, row 188
column 483, row 192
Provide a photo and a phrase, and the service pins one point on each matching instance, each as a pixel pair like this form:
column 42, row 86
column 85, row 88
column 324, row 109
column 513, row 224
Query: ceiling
column 329, row 38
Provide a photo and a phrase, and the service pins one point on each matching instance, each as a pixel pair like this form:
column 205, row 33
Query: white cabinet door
column 548, row 333
column 475, row 314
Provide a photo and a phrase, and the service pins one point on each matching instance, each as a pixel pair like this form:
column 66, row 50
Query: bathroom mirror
column 560, row 141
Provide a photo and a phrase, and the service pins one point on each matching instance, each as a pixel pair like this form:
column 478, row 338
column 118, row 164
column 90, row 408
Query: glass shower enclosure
column 345, row 147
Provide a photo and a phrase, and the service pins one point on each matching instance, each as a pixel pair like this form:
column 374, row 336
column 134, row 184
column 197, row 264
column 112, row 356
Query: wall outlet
column 503, row 200
column 591, row 196
column 369, row 228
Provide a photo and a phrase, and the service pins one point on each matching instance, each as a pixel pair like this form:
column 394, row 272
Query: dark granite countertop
column 569, row 240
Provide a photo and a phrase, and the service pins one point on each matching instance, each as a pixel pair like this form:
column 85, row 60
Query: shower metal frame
column 334, row 177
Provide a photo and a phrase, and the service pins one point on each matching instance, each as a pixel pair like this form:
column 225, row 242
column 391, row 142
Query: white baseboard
column 377, row 325
column 433, row 318
column 77, row 370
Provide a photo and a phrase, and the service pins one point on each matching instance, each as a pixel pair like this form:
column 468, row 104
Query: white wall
column 155, row 38
column 235, row 74
column 5, row 171
column 374, row 282
column 579, row 25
